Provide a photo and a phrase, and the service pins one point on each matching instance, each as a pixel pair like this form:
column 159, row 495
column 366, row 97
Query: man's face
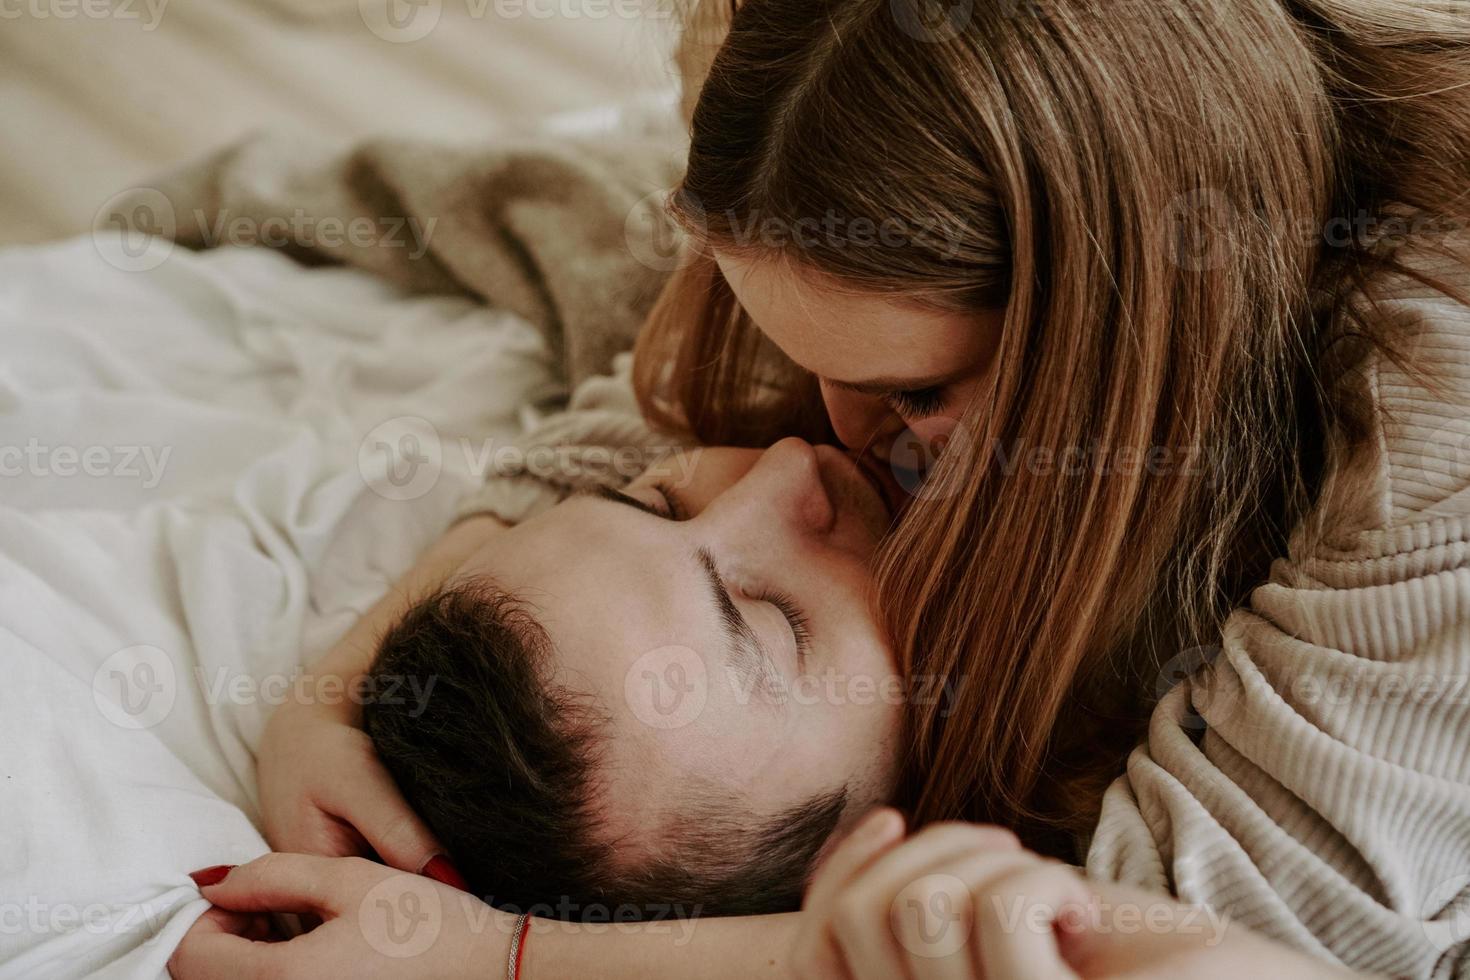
column 722, row 624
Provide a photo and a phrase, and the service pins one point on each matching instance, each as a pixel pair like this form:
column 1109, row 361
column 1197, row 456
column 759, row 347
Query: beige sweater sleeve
column 1325, row 797
column 599, row 440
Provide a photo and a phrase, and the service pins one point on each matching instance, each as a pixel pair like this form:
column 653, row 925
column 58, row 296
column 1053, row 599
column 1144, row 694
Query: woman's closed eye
column 919, row 403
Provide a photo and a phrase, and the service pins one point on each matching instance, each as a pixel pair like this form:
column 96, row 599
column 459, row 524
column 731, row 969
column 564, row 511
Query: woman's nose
column 864, row 423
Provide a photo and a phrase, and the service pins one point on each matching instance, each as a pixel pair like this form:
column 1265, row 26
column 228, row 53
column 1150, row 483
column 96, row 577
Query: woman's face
column 895, row 375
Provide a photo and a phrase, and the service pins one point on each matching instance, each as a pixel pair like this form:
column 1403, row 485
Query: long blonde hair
column 1144, row 187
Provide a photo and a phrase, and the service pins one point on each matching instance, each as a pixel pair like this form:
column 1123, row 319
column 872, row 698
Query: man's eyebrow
column 745, row 655
column 882, row 386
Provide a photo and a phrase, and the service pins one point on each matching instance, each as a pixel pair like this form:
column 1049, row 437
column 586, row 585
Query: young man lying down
column 662, row 699
column 615, row 730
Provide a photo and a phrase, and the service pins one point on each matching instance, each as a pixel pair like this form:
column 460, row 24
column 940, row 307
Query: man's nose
column 785, row 488
column 864, row 423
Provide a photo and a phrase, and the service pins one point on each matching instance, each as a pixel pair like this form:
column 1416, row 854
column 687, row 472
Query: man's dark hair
column 501, row 764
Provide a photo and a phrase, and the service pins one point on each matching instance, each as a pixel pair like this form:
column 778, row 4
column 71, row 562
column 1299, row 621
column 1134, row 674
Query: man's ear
column 702, row 29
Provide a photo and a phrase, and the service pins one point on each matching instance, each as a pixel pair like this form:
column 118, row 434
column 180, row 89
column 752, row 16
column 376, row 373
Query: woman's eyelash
column 925, row 401
column 794, row 617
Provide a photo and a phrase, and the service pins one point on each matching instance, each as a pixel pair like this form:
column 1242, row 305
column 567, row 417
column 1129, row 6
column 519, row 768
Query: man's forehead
column 603, row 592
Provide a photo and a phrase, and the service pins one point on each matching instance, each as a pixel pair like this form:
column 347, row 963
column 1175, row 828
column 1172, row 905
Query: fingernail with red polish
column 211, row 876
column 441, row 870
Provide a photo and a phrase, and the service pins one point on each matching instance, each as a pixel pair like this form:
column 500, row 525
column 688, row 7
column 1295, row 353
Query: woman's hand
column 324, row 791
column 959, row 901
column 375, row 922
column 322, row 788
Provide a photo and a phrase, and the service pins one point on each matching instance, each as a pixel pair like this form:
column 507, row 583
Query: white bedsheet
column 195, row 499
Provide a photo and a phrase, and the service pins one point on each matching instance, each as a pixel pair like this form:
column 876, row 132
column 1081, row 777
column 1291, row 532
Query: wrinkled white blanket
column 207, row 470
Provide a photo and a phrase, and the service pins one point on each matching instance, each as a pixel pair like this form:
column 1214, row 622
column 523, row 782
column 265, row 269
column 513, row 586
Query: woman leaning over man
column 1182, row 287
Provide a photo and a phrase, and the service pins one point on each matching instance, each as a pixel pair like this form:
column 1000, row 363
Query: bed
column 212, row 462
column 93, row 104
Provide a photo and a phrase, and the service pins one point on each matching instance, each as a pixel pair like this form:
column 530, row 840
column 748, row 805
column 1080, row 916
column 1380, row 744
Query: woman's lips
column 880, row 476
column 860, row 485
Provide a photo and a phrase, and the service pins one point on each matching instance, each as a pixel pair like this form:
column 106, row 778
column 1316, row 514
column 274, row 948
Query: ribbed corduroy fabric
column 1325, row 797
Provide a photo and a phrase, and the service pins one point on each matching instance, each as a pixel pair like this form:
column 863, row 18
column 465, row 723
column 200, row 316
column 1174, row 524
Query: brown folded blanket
column 568, row 233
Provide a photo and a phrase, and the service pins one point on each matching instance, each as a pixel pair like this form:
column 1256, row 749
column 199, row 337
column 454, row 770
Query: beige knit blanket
column 567, row 232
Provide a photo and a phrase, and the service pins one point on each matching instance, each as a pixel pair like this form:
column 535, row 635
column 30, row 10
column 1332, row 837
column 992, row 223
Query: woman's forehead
column 848, row 336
